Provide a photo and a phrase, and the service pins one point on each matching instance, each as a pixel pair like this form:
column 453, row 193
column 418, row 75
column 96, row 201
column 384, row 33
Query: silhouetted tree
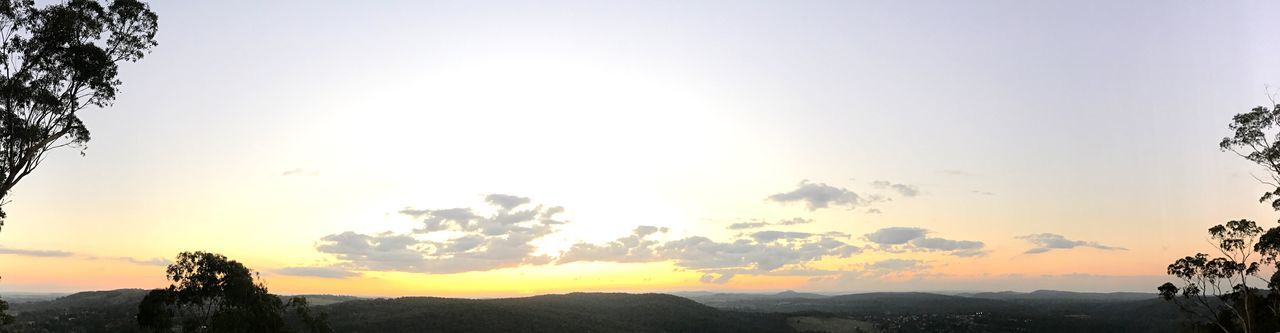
column 56, row 61
column 1216, row 289
column 211, row 293
column 5, row 318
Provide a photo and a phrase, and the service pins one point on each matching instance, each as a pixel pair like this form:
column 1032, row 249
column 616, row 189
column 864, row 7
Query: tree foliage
column 59, row 60
column 5, row 318
column 1216, row 289
column 1254, row 137
column 210, row 293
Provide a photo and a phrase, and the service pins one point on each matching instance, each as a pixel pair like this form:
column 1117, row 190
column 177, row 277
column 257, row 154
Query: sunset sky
column 483, row 149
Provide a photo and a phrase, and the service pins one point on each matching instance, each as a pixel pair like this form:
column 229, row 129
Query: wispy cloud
column 35, row 253
column 754, row 224
column 902, row 189
column 1045, row 242
column 322, row 272
column 145, row 262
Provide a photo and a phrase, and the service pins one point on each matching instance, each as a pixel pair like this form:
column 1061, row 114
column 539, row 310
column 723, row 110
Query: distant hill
column 576, row 312
column 722, row 299
column 25, row 297
column 1064, row 295
column 101, row 311
column 1041, row 311
column 324, row 299
column 90, row 311
column 857, row 303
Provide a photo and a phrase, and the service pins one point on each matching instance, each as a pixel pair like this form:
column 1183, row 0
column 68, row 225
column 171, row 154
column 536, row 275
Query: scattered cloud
column 873, row 211
column 755, row 224
column 35, row 253
column 322, row 272
column 902, row 189
column 747, row 225
column 819, row 195
column 769, row 236
column 501, row 234
column 1045, row 242
column 713, row 279
column 955, row 172
column 911, row 239
column 794, row 221
column 982, row 192
column 757, row 255
column 451, row 240
column 145, row 262
column 960, row 248
column 763, row 252
column 633, row 248
column 506, row 201
column 895, row 235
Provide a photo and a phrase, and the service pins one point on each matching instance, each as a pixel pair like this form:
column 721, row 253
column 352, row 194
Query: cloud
column 752, row 255
column 819, row 195
column 794, row 221
column 322, row 272
column 747, row 225
column 911, row 239
column 874, row 211
column 451, row 240
column 506, row 201
column 754, row 224
column 36, row 253
column 955, row 172
column 145, row 262
column 633, row 248
column 769, row 236
column 713, row 279
column 1045, row 242
column 63, row 254
column 982, row 192
column 959, row 248
column 764, row 252
column 902, row 189
column 895, row 235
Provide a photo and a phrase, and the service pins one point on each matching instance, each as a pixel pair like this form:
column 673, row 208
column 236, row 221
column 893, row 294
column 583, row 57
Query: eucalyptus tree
column 1239, row 288
column 210, row 293
column 57, row 61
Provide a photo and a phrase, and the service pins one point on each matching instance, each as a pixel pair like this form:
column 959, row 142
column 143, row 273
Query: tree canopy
column 1216, row 290
column 59, row 60
column 210, row 293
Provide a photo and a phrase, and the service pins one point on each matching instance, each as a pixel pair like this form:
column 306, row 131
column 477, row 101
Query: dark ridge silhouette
column 1064, row 295
column 86, row 299
column 576, row 312
column 1046, row 311
column 113, row 311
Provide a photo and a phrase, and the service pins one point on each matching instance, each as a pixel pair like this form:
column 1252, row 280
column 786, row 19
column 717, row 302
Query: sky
column 484, row 149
